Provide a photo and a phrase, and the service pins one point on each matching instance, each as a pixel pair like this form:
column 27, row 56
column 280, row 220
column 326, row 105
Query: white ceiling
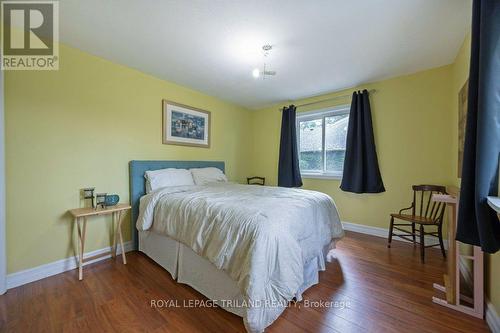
column 319, row 46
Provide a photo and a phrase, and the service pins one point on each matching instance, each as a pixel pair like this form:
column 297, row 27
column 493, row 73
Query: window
column 321, row 142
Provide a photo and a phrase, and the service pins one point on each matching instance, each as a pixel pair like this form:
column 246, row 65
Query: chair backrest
column 256, row 180
column 423, row 205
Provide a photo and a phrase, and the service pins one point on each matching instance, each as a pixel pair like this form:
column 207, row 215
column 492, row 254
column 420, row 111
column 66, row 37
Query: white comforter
column 260, row 236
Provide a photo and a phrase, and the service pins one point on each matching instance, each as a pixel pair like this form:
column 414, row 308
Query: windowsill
column 321, row 176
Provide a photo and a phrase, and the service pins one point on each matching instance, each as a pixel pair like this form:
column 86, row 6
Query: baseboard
column 60, row 266
column 383, row 232
column 492, row 318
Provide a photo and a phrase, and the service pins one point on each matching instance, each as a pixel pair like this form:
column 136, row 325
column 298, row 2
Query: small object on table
column 111, row 200
column 81, row 214
column 256, row 180
column 100, row 200
column 88, row 193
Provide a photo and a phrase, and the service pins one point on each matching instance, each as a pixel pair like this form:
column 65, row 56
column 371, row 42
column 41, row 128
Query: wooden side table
column 81, row 214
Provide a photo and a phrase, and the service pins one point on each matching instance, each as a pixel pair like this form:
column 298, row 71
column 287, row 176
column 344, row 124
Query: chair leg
column 390, row 232
column 440, row 235
column 413, row 232
column 422, row 244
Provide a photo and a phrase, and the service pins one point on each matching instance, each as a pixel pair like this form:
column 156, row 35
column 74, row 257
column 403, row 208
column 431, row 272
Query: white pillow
column 203, row 176
column 167, row 177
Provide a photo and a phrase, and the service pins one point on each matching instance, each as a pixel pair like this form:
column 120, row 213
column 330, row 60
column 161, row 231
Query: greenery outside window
column 321, row 139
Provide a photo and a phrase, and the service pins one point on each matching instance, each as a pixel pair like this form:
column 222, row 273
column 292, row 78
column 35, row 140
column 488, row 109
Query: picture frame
column 462, row 121
column 184, row 125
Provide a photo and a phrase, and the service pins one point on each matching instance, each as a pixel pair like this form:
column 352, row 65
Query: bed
column 249, row 248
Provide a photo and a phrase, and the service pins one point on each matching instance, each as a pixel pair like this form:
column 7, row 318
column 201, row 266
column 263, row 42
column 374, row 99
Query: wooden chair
column 256, row 181
column 425, row 213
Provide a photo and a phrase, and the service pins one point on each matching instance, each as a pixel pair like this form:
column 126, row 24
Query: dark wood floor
column 385, row 290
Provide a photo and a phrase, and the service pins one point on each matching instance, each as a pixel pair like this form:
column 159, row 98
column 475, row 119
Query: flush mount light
column 256, row 73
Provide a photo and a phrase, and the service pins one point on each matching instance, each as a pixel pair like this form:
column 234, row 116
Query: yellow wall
column 80, row 126
column 492, row 279
column 411, row 116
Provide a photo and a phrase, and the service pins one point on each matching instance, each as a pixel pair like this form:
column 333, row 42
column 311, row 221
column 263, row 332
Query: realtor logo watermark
column 30, row 35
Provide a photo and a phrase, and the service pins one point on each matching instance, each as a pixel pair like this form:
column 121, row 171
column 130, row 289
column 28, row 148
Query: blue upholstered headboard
column 138, row 182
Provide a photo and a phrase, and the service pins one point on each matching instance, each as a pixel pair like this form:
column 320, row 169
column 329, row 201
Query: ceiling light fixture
column 256, row 73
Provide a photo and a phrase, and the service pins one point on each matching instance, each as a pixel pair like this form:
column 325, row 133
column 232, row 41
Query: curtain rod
column 329, row 99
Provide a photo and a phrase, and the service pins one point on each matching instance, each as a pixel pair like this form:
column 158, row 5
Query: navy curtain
column 361, row 172
column 288, row 167
column 477, row 223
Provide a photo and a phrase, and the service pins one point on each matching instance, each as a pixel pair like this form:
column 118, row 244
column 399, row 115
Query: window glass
column 311, row 145
column 320, row 155
column 335, row 142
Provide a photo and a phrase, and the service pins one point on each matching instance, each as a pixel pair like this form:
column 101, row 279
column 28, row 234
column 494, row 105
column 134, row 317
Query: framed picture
column 186, row 126
column 462, row 121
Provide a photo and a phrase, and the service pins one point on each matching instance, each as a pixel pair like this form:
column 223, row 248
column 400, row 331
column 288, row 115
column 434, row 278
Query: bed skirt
column 187, row 267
